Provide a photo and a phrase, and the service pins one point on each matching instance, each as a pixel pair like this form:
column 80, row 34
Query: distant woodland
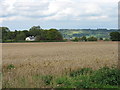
column 37, row 31
column 58, row 35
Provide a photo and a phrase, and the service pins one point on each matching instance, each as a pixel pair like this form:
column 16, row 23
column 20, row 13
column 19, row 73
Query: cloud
column 58, row 10
column 97, row 17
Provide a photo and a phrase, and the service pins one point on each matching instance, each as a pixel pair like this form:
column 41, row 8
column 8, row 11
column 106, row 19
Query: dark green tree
column 92, row 38
column 21, row 36
column 83, row 38
column 76, row 39
column 11, row 35
column 35, row 30
column 5, row 31
column 53, row 34
column 26, row 32
column 115, row 36
column 100, row 38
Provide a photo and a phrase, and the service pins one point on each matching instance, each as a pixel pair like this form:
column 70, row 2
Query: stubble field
column 53, row 58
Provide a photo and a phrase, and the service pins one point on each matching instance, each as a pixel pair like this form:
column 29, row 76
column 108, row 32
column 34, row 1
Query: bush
column 47, row 79
column 86, row 78
column 83, row 81
column 81, row 72
column 83, row 38
column 76, row 39
column 11, row 66
column 64, row 82
column 92, row 39
column 107, row 76
column 106, row 39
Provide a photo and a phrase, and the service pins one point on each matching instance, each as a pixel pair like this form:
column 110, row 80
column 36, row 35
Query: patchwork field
column 53, row 58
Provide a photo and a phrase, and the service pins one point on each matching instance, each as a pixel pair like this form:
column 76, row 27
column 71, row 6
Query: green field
column 69, row 33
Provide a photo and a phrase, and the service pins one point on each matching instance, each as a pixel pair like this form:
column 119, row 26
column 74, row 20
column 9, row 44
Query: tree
column 92, row 38
column 35, row 30
column 20, row 36
column 100, row 38
column 42, row 35
column 26, row 32
column 37, row 38
column 106, row 39
column 83, row 38
column 5, row 31
column 115, row 36
column 10, row 36
column 53, row 34
column 76, row 39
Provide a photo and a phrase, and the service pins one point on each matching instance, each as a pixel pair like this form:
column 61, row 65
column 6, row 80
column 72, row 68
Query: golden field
column 53, row 58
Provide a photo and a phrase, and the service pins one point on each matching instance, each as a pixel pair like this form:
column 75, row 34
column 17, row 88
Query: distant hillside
column 99, row 33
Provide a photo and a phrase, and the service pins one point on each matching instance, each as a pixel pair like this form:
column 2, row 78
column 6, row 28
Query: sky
column 59, row 14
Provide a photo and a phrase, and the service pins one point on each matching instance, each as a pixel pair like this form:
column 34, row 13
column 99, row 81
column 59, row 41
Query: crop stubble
column 55, row 58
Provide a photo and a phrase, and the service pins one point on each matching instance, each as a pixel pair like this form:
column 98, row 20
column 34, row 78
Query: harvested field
column 55, row 58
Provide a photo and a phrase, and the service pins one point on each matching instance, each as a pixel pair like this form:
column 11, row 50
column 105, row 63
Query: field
column 86, row 32
column 23, row 61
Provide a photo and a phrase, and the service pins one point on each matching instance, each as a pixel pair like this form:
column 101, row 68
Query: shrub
column 83, row 38
column 47, row 79
column 106, row 39
column 11, row 66
column 83, row 81
column 64, row 82
column 92, row 39
column 81, row 72
column 76, row 39
column 107, row 76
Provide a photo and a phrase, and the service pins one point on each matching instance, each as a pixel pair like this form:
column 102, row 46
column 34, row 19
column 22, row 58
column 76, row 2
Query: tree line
column 114, row 36
column 47, row 35
column 37, row 31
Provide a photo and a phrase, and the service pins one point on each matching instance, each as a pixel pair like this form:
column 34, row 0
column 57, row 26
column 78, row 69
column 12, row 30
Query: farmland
column 99, row 33
column 53, row 58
